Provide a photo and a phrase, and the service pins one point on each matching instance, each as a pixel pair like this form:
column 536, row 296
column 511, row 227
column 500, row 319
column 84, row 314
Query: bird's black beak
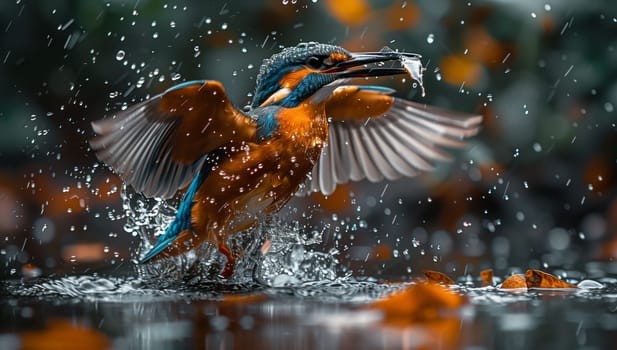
column 365, row 58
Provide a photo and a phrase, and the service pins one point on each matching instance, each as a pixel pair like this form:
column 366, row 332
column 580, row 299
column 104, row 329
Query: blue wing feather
column 182, row 221
column 136, row 144
column 185, row 84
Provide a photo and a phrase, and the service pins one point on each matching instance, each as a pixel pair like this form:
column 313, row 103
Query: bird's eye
column 314, row 62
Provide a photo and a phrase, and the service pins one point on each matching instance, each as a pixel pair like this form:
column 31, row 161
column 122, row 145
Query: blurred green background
column 537, row 187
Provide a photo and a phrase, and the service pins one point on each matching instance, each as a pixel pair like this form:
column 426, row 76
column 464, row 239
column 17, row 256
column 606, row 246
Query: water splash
column 289, row 261
column 146, row 218
column 274, row 253
column 414, row 67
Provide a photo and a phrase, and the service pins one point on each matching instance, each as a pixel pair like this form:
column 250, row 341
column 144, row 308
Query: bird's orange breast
column 305, row 125
column 261, row 177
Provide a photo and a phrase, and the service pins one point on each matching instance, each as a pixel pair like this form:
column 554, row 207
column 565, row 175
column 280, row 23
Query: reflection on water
column 345, row 313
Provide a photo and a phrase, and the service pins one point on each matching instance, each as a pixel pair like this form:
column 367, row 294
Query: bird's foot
column 229, row 268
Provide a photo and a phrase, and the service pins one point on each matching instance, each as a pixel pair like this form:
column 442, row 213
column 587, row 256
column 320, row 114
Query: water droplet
column 608, row 107
column 140, row 82
column 430, row 38
column 415, row 243
column 120, row 55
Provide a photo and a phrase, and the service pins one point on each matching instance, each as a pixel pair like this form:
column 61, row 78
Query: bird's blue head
column 292, row 75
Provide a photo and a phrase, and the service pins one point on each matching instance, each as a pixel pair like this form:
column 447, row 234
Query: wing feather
column 384, row 137
column 363, row 155
column 158, row 146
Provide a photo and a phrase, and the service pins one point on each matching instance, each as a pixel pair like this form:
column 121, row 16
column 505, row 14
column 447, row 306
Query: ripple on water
column 129, row 289
column 84, row 286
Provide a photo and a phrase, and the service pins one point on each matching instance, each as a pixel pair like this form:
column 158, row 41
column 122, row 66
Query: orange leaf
column 514, row 282
column 438, row 277
column 418, row 303
column 429, row 307
column 487, row 277
column 540, row 279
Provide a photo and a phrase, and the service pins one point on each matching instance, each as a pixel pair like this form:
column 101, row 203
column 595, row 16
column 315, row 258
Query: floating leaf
column 487, row 277
column 514, row 282
column 419, row 302
column 428, row 308
column 540, row 279
column 438, row 277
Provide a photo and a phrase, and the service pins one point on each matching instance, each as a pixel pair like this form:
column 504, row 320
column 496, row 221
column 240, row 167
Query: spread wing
column 375, row 136
column 158, row 146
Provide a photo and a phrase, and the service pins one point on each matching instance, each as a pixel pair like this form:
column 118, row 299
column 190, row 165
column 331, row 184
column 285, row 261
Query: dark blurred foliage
column 537, row 187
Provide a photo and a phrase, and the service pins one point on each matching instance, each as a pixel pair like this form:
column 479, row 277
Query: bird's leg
column 230, row 265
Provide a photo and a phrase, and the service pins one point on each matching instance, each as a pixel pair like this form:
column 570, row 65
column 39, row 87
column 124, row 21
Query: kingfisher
column 313, row 123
